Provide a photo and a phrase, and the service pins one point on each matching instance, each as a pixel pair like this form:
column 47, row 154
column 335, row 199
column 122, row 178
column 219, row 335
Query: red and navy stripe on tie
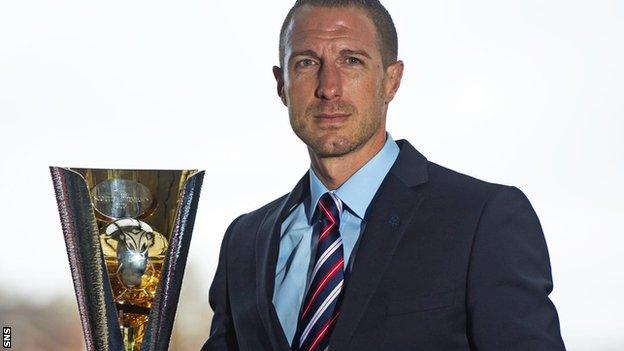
column 320, row 309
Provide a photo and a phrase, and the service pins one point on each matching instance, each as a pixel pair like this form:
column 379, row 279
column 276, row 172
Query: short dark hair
column 386, row 32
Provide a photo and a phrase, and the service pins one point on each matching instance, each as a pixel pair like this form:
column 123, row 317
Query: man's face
column 333, row 80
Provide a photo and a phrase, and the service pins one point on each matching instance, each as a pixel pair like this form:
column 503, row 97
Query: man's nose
column 330, row 85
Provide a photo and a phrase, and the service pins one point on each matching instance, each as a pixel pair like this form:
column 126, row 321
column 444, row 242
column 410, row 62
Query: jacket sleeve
column 509, row 279
column 222, row 334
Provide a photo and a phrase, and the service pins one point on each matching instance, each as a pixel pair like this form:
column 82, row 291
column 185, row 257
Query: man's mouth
column 337, row 117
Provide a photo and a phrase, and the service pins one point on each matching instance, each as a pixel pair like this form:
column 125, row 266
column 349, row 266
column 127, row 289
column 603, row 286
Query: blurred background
column 521, row 92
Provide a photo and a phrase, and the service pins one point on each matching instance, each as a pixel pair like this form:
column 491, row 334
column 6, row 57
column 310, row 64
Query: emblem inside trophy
column 134, row 254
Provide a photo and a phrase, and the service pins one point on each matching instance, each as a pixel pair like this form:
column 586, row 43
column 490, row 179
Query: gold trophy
column 127, row 234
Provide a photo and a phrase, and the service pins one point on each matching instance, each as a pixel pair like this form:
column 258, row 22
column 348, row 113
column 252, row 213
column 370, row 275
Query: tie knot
column 330, row 207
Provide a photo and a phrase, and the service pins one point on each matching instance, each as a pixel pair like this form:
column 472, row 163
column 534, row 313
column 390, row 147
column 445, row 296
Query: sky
column 525, row 93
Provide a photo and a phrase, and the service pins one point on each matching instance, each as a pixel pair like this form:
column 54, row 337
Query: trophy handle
column 93, row 292
column 162, row 314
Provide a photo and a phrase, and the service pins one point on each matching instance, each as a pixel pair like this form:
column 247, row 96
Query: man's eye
column 305, row 63
column 353, row 61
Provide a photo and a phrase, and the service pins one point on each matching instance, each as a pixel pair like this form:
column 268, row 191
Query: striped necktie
column 320, row 309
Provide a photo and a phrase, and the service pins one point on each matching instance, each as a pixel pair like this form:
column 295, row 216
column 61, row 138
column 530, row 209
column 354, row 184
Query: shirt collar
column 358, row 191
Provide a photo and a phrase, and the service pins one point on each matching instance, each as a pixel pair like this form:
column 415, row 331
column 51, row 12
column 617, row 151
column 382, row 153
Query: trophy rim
column 193, row 171
column 98, row 214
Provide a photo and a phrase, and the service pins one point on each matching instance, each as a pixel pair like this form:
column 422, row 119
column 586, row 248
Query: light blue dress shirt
column 298, row 232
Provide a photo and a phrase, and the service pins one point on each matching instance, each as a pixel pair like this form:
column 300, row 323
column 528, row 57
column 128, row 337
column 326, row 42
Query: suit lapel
column 395, row 205
column 267, row 246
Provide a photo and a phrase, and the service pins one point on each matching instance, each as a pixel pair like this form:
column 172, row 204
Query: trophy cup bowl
column 127, row 234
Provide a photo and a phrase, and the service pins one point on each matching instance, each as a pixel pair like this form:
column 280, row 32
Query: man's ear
column 394, row 73
column 279, row 79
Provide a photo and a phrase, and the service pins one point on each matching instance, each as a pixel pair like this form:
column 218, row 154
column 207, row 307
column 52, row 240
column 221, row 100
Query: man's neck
column 334, row 171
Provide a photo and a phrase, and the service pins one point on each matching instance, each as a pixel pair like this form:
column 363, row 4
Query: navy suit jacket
column 446, row 262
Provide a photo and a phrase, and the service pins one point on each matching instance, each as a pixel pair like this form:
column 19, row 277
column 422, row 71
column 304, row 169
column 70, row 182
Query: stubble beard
column 344, row 139
column 337, row 141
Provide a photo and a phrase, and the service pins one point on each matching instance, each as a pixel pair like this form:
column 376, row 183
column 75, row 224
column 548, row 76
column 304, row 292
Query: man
column 376, row 248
